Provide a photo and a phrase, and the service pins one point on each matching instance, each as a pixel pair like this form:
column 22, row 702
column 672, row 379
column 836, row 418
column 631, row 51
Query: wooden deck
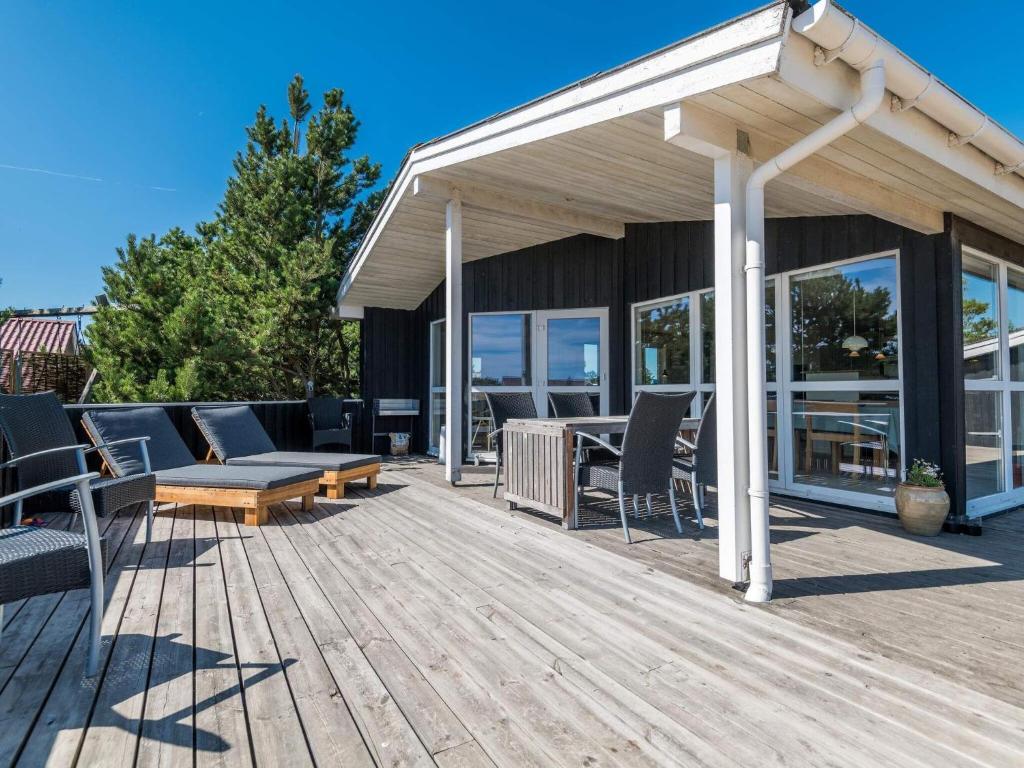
column 414, row 625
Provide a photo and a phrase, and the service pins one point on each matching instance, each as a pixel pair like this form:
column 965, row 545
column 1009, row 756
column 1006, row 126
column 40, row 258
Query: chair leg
column 95, row 614
column 650, row 509
column 622, row 514
column 497, row 469
column 698, row 503
column 636, row 505
column 149, row 521
column 675, row 509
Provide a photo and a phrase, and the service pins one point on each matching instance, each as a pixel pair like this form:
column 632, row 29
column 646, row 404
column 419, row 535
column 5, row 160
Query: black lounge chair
column 35, row 423
column 42, row 561
column 330, row 424
column 237, row 438
column 180, row 479
column 643, row 464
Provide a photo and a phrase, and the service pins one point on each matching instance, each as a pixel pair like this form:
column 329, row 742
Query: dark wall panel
column 656, row 260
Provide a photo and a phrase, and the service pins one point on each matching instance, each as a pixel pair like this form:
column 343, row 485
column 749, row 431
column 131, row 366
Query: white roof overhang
column 594, row 156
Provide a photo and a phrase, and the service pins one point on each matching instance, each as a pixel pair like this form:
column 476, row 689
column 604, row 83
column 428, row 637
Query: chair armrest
column 495, row 433
column 587, row 436
column 79, row 481
column 80, row 449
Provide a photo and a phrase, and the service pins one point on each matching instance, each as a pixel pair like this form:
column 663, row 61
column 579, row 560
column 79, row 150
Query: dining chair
column 568, row 404
column 41, row 561
column 329, row 422
column 643, row 464
column 505, row 406
column 700, row 467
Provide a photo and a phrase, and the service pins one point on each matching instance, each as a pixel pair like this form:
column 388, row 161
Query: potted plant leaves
column 921, row 499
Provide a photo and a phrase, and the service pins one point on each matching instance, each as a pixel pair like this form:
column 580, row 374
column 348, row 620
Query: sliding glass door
column 437, row 384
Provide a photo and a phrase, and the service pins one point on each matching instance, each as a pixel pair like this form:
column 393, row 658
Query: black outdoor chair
column 700, row 468
column 505, row 406
column 568, row 404
column 330, row 424
column 42, row 561
column 34, row 423
column 644, row 462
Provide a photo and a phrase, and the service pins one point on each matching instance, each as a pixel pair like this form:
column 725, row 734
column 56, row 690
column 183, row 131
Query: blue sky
column 142, row 106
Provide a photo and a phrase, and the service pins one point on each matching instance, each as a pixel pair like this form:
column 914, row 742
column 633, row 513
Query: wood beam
column 500, row 201
column 710, row 134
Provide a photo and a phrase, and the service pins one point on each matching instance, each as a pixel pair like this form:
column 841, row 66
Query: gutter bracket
column 1006, row 170
column 959, row 141
column 823, row 57
column 899, row 105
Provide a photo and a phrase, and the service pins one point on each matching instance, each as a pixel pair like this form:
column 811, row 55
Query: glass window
column 707, row 338
column 1015, row 322
column 980, row 318
column 773, row 435
column 769, row 330
column 847, row 441
column 984, row 450
column 437, row 354
column 501, row 350
column 663, row 343
column 1017, row 436
column 845, row 322
column 574, row 351
column 481, row 425
column 437, row 419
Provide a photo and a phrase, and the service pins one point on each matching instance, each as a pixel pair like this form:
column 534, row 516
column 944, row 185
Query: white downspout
column 872, row 87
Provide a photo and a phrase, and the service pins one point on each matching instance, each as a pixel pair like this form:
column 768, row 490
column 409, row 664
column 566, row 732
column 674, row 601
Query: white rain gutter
column 838, row 35
column 872, row 96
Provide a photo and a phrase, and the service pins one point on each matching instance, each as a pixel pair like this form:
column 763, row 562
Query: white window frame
column 696, row 383
column 1009, row 497
column 538, row 364
column 785, row 386
column 432, row 450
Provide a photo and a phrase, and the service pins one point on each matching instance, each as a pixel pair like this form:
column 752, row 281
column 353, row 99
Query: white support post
column 454, row 380
column 731, row 173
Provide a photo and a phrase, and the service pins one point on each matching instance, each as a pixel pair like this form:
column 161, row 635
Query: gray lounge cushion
column 166, row 448
column 232, row 431
column 325, row 462
column 251, row 477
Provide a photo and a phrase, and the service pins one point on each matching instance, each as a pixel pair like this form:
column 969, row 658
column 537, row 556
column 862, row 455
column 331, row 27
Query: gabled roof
column 593, row 156
column 35, row 335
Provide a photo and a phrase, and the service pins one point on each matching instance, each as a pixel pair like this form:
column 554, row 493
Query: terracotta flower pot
column 921, row 510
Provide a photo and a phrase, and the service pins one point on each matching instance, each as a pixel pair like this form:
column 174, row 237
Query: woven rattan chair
column 505, row 406
column 41, row 561
column 644, row 462
column 33, row 423
column 569, row 404
column 700, row 468
column 330, row 424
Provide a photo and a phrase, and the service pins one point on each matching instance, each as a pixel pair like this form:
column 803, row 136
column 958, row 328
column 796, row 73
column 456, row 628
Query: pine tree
column 242, row 308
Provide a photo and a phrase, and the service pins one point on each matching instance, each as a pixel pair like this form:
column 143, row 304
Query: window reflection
column 769, row 330
column 707, row 337
column 1015, row 322
column 984, row 443
column 574, row 352
column 845, row 322
column 980, row 306
column 847, row 440
column 501, row 350
column 663, row 343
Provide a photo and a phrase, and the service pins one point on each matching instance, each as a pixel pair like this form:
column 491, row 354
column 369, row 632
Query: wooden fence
column 31, row 372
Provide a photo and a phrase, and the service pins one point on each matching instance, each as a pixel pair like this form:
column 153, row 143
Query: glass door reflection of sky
column 574, row 351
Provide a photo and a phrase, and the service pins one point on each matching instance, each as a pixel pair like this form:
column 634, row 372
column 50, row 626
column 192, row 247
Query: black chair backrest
column 650, row 440
column 327, row 412
column 233, row 431
column 509, row 405
column 166, row 448
column 707, row 445
column 33, row 423
column 568, row 404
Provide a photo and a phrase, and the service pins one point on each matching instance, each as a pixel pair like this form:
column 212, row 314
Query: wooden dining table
column 538, row 458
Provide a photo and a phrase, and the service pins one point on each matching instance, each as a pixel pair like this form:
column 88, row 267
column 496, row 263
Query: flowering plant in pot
column 921, row 499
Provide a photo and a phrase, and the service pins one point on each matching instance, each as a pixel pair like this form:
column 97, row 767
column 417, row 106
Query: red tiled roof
column 28, row 334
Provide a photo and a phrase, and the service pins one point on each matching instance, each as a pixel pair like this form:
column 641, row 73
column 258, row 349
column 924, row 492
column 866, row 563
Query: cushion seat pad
column 325, row 462
column 255, row 478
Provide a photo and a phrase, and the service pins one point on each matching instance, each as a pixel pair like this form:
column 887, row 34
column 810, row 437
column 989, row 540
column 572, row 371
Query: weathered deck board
column 414, row 625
